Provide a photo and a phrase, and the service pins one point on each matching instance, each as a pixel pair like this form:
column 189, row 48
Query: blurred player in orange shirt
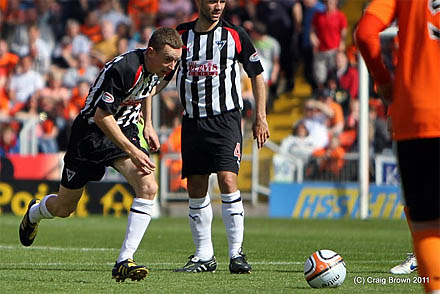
column 413, row 96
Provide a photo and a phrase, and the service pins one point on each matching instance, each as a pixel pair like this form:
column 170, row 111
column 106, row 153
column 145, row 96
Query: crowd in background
column 51, row 51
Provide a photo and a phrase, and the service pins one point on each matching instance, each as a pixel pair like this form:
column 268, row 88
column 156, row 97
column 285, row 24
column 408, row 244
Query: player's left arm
column 107, row 123
column 149, row 132
column 248, row 56
column 260, row 128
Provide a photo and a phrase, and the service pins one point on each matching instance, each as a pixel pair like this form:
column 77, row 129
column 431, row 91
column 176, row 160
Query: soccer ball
column 325, row 268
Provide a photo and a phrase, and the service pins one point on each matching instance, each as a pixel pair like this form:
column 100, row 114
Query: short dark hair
column 165, row 36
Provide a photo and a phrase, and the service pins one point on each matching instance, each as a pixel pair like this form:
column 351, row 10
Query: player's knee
column 150, row 189
column 228, row 184
column 196, row 190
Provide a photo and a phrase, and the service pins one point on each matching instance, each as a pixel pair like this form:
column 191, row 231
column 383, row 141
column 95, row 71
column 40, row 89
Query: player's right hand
column 142, row 162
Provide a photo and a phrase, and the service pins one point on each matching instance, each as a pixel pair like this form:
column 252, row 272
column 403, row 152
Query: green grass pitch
column 76, row 255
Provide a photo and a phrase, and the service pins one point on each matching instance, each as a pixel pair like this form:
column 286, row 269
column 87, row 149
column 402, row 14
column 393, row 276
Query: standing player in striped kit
column 105, row 133
column 209, row 87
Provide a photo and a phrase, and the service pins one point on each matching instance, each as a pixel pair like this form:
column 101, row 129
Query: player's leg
column 422, row 196
column 233, row 219
column 61, row 205
column 196, row 167
column 139, row 218
column 228, row 150
column 200, row 220
column 410, row 263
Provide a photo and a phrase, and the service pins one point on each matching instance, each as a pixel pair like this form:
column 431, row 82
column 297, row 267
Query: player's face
column 163, row 61
column 211, row 9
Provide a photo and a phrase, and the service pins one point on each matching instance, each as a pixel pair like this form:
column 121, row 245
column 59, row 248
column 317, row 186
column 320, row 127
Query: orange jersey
column 415, row 109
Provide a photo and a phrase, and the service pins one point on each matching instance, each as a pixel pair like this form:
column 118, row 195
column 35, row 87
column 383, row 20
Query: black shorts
column 211, row 144
column 89, row 152
column 419, row 163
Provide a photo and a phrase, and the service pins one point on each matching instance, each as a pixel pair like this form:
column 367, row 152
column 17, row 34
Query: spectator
column 348, row 76
column 107, row 48
column 76, row 101
column 328, row 33
column 327, row 162
column 341, row 96
column 47, row 133
column 9, row 143
column 8, row 61
column 173, row 145
column 299, row 144
column 142, row 12
column 123, row 31
column 49, row 21
column 39, row 51
column 335, row 123
column 63, row 57
column 15, row 26
column 72, row 109
column 141, row 38
column 83, row 71
column 235, row 13
column 53, row 98
column 315, row 121
column 122, row 46
column 111, row 11
column 24, row 83
column 348, row 136
column 309, row 8
column 379, row 135
column 173, row 12
column 277, row 15
column 80, row 43
column 91, row 27
column 268, row 49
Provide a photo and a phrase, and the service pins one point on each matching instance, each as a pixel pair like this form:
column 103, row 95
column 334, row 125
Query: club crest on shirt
column 254, row 57
column 70, row 174
column 434, row 6
column 220, row 44
column 108, row 98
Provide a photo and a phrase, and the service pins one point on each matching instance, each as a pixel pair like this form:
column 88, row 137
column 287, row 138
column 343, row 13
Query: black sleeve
column 248, row 55
column 112, row 91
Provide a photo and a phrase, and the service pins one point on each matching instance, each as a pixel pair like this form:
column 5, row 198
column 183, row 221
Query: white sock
column 233, row 218
column 138, row 221
column 39, row 211
column 200, row 219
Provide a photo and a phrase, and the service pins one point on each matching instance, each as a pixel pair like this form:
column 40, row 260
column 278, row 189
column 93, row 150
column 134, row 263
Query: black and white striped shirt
column 120, row 88
column 208, row 80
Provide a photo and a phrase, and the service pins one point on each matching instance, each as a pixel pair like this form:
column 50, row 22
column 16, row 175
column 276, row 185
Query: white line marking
column 6, row 247
column 12, row 247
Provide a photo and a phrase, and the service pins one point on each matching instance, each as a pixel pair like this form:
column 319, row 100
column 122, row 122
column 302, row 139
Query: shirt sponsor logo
column 108, row 98
column 206, row 69
column 254, row 57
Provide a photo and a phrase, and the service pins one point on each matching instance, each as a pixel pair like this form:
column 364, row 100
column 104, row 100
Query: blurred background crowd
column 52, row 51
